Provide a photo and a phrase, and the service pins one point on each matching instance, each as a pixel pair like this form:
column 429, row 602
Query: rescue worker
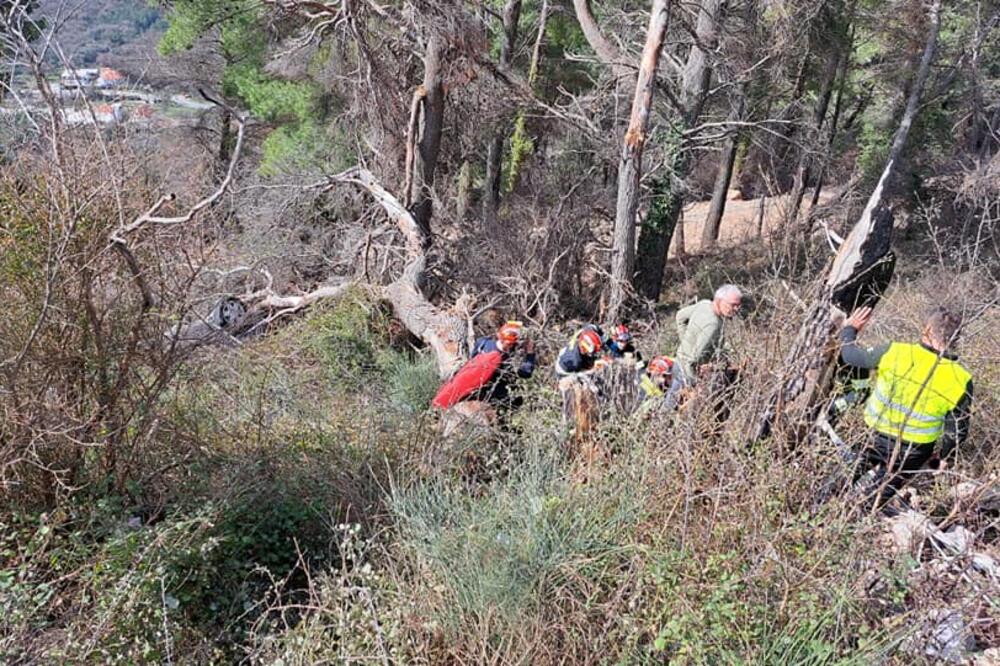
column 921, row 395
column 655, row 377
column 620, row 344
column 701, row 329
column 507, row 340
column 580, row 356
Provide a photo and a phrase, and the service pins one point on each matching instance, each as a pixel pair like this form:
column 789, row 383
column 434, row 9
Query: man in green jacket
column 701, row 328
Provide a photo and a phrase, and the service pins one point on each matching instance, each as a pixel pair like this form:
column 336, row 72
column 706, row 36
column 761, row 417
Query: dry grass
column 688, row 546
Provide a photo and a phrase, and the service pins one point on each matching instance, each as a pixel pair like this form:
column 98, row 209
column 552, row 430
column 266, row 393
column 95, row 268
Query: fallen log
column 442, row 330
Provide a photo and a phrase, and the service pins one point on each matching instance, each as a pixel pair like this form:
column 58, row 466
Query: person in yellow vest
column 921, row 396
column 653, row 379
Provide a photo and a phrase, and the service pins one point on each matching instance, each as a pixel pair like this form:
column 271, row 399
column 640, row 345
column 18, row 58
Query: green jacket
column 701, row 334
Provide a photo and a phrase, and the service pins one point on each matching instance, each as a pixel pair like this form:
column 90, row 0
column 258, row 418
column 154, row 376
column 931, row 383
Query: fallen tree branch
column 118, row 238
column 442, row 330
column 151, row 217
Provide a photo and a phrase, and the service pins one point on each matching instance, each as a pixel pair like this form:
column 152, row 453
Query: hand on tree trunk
column 859, row 318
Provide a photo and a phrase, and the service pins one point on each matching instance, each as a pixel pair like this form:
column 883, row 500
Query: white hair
column 728, row 291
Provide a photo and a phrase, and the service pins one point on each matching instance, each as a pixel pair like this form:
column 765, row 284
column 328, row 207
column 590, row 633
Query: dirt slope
column 739, row 222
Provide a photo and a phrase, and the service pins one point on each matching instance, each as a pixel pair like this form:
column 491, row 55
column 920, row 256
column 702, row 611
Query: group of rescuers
column 917, row 397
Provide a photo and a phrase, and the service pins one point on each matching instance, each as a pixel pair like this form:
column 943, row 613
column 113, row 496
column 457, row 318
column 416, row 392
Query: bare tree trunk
column 429, row 117
column 520, row 143
column 225, row 138
column 654, row 239
column 764, row 170
column 838, row 106
column 861, row 270
column 977, row 121
column 494, row 152
column 760, row 215
column 680, row 241
column 710, row 232
column 806, row 159
column 604, row 49
column 630, row 164
column 442, row 330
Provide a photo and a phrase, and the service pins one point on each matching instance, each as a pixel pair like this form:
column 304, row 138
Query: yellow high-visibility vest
column 914, row 390
column 649, row 387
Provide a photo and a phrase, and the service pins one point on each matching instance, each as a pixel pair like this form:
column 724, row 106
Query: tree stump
column 586, row 399
column 860, row 273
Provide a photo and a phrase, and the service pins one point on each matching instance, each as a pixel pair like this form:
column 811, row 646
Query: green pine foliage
column 299, row 139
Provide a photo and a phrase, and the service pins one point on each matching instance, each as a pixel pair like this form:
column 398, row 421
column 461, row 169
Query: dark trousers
column 910, row 458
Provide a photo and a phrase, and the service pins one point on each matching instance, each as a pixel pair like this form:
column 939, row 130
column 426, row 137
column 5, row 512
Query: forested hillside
column 503, row 332
column 90, row 29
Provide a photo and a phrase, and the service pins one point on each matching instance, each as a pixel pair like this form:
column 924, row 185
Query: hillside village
column 106, row 97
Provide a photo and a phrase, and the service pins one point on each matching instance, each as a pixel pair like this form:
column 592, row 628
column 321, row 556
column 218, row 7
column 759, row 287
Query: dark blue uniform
column 572, row 361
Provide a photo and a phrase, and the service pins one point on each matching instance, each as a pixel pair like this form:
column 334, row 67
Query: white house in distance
column 79, row 78
column 100, row 77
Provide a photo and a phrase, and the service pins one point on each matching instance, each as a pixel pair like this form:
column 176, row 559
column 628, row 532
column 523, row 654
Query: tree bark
column 430, row 120
column 838, row 106
column 442, row 330
column 860, row 272
column 654, row 239
column 494, row 152
column 720, row 192
column 604, row 49
column 630, row 163
column 225, row 137
column 805, row 158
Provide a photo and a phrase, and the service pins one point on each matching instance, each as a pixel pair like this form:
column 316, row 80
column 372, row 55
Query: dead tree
column 630, row 164
column 441, row 330
column 655, row 235
column 511, row 15
column 426, row 119
column 861, row 270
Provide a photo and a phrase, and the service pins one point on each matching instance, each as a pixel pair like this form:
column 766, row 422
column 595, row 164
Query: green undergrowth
column 290, row 445
column 508, row 552
column 316, row 515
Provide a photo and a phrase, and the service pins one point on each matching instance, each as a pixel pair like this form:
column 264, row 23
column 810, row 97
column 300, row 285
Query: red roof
column 109, row 74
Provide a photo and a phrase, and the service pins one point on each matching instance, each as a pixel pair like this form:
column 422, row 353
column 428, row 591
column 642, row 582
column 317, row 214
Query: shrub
column 347, row 337
column 411, row 379
column 502, row 554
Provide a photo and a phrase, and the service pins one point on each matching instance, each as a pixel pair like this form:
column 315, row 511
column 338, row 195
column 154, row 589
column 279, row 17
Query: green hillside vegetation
column 222, row 339
column 100, row 27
